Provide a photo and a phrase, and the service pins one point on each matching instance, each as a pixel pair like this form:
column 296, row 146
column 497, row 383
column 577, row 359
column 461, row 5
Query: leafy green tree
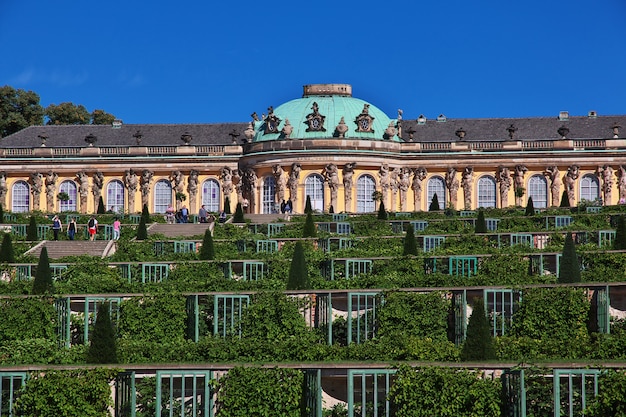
column 481, row 225
column 309, row 229
column 434, row 204
column 31, row 230
column 227, row 205
column 103, row 346
column 43, row 277
column 18, row 110
column 530, row 208
column 67, row 114
column 382, row 213
column 569, row 270
column 611, row 394
column 410, row 244
column 564, row 200
column 308, row 208
column 6, row 250
column 207, row 250
column 142, row 230
column 238, row 217
column 298, row 272
column 479, row 343
column 100, row 117
column 620, row 234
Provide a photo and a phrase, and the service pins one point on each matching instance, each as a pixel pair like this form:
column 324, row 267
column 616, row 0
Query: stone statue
column 146, row 179
column 331, row 175
column 385, row 182
column 3, row 188
column 419, row 175
column 452, row 183
column 226, row 174
column 238, row 183
column 131, row 180
column 292, row 182
column 503, row 177
column 518, row 180
column 97, row 182
column 51, row 187
column 36, row 184
column 621, row 185
column 569, row 179
column 341, row 128
column 606, row 173
column 192, row 189
column 176, row 180
column 83, row 190
column 466, row 183
column 348, row 182
column 552, row 172
column 250, row 180
column 404, row 181
column 281, row 182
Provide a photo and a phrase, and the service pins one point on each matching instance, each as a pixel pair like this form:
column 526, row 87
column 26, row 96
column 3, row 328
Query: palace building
column 339, row 150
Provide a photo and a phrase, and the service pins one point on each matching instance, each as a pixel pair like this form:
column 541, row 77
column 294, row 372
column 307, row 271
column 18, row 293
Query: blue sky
column 206, row 62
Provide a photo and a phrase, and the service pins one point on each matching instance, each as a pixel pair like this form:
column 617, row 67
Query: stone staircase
column 178, row 229
column 60, row 248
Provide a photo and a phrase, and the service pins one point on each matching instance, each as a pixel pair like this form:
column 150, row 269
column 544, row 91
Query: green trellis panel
column 573, row 388
column 57, row 270
column 606, row 237
column 24, row 272
column 19, row 230
column 460, row 316
column 266, row 246
column 356, row 267
column 184, row 246
column 432, row 242
column 62, row 307
column 42, row 231
column 465, row 266
column 184, row 393
column 227, row 313
column 467, row 213
column 514, row 388
column 419, row 225
column 339, row 217
column 603, row 314
column 368, row 389
column 525, row 239
column 134, row 218
column 10, row 384
column 492, row 224
column 344, row 228
column 313, row 392
column 274, row 228
column 154, row 272
column 500, row 307
column 365, row 305
column 253, row 270
column 91, row 308
column 125, row 395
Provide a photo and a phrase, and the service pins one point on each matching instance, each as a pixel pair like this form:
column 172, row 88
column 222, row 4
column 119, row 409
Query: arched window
column 115, row 196
column 365, row 187
column 538, row 190
column 162, row 196
column 314, row 189
column 20, row 198
column 68, row 187
column 589, row 188
column 436, row 185
column 211, row 195
column 269, row 195
column 486, row 191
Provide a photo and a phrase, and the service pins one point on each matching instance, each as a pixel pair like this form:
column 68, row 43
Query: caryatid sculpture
column 404, row 182
column 394, row 184
column 97, row 182
column 518, row 180
column 466, row 183
column 36, row 184
column 552, row 172
column 452, row 183
column 348, row 183
column 146, row 179
column 176, row 180
column 83, row 190
column 419, row 175
column 131, row 180
column 281, row 182
column 569, row 179
column 606, row 173
column 385, row 182
column 331, row 175
column 503, row 177
column 51, row 186
column 250, row 180
column 192, row 189
column 226, row 175
column 3, row 188
column 621, row 184
column 292, row 182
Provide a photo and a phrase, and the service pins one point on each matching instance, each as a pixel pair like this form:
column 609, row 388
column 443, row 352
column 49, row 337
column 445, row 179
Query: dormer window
column 441, row 118
column 271, row 122
column 421, row 120
column 364, row 122
column 315, row 121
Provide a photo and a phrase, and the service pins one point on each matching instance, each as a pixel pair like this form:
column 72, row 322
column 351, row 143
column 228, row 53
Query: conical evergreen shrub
column 569, row 270
column 481, row 224
column 620, row 234
column 207, row 250
column 308, row 208
column 31, row 230
column 142, row 230
column 298, row 272
column 1, row 214
column 238, row 217
column 564, row 200
column 331, row 209
column 434, row 204
column 43, row 277
column 382, row 213
column 7, row 253
column 479, row 343
column 103, row 346
column 309, row 226
column 410, row 244
column 145, row 213
column 101, row 208
column 227, row 205
column 530, row 208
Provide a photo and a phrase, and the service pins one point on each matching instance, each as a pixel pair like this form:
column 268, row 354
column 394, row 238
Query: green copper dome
column 319, row 112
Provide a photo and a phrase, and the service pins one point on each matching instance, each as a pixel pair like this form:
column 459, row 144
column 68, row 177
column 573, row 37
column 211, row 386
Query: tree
column 207, row 250
column 434, row 204
column 238, row 217
column 6, row 250
column 298, row 272
column 1, row 214
column 382, row 213
column 145, row 213
column 43, row 277
column 410, row 244
column 478, row 345
column 103, row 346
column 67, row 114
column 569, row 270
column 530, row 208
column 31, row 230
column 564, row 200
column 100, row 117
column 308, row 208
column 101, row 209
column 620, row 234
column 227, row 205
column 18, row 110
column 142, row 230
column 309, row 226
column 481, row 225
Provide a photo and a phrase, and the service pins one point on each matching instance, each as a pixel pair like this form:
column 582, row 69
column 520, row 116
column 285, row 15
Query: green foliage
column 18, row 110
column 27, row 318
column 564, row 200
column 281, row 389
column 31, row 230
column 530, row 208
column 207, row 250
column 40, row 351
column 611, row 394
column 103, row 346
column 478, row 345
column 569, row 270
column 308, row 208
column 142, row 230
column 481, row 225
column 382, row 213
column 434, row 204
column 1, row 212
column 100, row 117
column 90, row 275
column 145, row 214
column 410, row 244
column 309, row 229
column 298, row 272
column 153, row 318
column 444, row 392
column 43, row 277
column 67, row 114
column 67, row 394
column 101, row 209
column 227, row 205
column 239, row 217
column 6, row 250
column 620, row 234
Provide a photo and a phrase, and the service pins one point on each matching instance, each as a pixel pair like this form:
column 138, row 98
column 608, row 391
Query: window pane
column 589, row 188
column 269, row 195
column 486, row 192
column 68, row 187
column 314, row 188
column 365, row 187
column 538, row 190
column 21, row 198
column 162, row 196
column 115, row 196
column 211, row 195
column 436, row 185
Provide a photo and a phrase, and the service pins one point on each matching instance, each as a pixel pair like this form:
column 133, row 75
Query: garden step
column 62, row 248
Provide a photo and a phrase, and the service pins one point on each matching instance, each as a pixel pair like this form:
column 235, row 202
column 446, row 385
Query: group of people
column 92, row 228
column 172, row 216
